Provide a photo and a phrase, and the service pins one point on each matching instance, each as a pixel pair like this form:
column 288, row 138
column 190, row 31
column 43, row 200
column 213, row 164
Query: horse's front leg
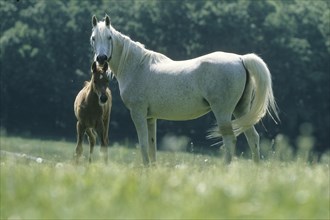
column 152, row 127
column 140, row 122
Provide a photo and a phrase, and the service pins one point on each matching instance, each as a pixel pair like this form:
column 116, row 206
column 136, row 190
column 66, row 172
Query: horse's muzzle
column 101, row 59
column 103, row 98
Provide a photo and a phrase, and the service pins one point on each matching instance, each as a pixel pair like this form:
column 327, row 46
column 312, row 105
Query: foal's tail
column 262, row 100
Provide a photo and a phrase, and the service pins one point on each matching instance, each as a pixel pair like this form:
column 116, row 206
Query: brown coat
column 92, row 108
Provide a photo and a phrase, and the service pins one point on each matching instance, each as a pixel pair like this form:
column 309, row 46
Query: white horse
column 152, row 86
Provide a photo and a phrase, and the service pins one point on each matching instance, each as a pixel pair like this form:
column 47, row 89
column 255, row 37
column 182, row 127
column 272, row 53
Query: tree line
column 46, row 57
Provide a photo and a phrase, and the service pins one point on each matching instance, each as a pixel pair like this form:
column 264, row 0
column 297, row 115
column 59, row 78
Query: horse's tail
column 262, row 100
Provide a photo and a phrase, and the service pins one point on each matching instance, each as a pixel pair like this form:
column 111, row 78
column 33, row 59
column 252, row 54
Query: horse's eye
column 109, row 38
column 93, row 38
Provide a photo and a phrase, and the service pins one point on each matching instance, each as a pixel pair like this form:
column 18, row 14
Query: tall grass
column 181, row 186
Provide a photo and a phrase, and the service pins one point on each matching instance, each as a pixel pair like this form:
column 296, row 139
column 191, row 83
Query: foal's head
column 100, row 81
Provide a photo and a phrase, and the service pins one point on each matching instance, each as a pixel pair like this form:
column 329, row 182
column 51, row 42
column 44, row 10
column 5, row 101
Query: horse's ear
column 105, row 67
column 107, row 20
column 94, row 67
column 94, row 20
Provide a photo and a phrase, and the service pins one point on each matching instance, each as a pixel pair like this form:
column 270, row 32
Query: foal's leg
column 104, row 140
column 91, row 140
column 152, row 127
column 140, row 123
column 80, row 137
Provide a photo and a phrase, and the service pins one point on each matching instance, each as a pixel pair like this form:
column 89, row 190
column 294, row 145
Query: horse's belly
column 178, row 112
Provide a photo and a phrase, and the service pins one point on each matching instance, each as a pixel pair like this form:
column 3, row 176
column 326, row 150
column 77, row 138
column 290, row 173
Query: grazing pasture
column 40, row 181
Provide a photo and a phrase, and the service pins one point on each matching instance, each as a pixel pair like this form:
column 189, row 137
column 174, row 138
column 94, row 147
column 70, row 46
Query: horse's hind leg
column 228, row 137
column 80, row 136
column 251, row 134
column 92, row 141
column 252, row 137
column 229, row 140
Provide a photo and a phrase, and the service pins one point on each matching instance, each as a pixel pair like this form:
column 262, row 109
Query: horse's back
column 217, row 62
column 185, row 89
column 209, row 72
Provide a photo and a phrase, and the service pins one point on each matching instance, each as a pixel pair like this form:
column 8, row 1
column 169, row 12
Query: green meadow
column 40, row 181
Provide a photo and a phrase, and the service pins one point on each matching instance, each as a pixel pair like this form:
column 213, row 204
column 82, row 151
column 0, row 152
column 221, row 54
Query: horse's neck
column 130, row 56
column 116, row 56
column 127, row 54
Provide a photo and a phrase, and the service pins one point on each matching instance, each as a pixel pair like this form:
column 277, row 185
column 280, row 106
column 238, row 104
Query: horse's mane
column 146, row 55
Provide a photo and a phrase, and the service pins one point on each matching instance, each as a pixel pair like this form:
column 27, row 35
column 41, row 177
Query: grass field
column 39, row 181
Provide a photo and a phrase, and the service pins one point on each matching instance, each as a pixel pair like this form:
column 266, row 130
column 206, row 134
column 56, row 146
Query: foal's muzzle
column 103, row 98
column 101, row 59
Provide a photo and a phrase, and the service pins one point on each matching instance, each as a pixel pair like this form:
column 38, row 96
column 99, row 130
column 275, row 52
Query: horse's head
column 101, row 40
column 100, row 81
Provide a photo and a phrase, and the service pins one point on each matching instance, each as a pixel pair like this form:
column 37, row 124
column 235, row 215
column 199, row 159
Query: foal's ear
column 94, row 21
column 107, row 20
column 105, row 67
column 94, row 67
